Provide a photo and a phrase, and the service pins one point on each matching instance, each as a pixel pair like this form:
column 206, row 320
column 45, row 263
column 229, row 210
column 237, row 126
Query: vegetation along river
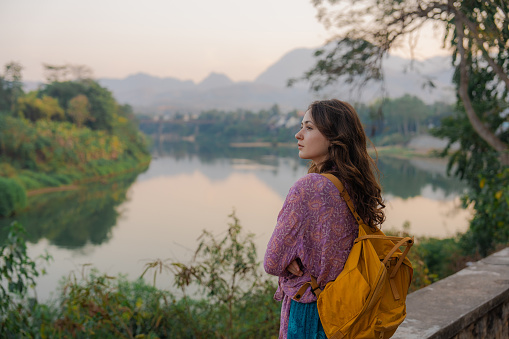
column 120, row 225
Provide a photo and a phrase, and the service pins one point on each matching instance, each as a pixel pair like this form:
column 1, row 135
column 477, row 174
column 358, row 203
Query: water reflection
column 185, row 179
column 161, row 212
column 426, row 217
column 404, row 178
column 73, row 219
column 407, row 178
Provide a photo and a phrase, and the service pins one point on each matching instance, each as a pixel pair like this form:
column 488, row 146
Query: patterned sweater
column 316, row 227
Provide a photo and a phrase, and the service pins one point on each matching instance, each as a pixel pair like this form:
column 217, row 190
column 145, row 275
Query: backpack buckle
column 316, row 294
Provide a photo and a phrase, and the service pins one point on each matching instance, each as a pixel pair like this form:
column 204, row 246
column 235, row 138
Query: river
column 120, row 225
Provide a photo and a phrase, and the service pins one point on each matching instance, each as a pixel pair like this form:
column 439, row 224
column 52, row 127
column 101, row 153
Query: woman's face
column 312, row 143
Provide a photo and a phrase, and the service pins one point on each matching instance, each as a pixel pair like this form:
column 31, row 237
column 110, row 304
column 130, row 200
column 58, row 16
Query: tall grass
column 13, row 197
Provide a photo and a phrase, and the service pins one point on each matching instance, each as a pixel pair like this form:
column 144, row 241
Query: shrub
column 17, row 275
column 13, row 197
column 6, row 170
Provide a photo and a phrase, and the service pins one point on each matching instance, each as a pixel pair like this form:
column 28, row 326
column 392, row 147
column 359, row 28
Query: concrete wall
column 473, row 303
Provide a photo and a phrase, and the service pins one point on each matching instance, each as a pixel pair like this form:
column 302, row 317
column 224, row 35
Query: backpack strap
column 344, row 194
column 406, row 241
column 315, row 288
column 398, row 241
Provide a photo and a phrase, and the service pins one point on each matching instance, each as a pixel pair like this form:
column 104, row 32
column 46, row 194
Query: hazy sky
column 186, row 39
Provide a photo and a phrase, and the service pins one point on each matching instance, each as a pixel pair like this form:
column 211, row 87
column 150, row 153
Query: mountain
column 156, row 95
column 140, row 89
column 215, row 80
column 291, row 65
column 402, row 76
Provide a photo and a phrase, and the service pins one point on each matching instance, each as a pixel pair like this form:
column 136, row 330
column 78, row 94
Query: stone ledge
column 443, row 309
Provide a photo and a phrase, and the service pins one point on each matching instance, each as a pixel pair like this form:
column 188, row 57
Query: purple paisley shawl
column 315, row 226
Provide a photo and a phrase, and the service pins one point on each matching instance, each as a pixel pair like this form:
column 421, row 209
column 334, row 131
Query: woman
column 315, row 229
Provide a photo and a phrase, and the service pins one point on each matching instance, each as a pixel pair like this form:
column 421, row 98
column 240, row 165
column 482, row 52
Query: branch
column 476, row 123
column 480, row 43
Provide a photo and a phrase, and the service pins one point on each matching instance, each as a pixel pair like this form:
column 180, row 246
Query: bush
column 17, row 275
column 489, row 227
column 13, row 197
column 6, row 170
column 28, row 182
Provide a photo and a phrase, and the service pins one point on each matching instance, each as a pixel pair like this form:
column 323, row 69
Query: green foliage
column 33, row 108
column 101, row 101
column 479, row 165
column 12, row 197
column 78, row 110
column 38, row 148
column 6, row 170
column 489, row 228
column 49, row 146
column 353, row 61
column 226, row 270
column 98, row 305
column 442, row 257
column 474, row 154
column 394, row 121
column 17, row 275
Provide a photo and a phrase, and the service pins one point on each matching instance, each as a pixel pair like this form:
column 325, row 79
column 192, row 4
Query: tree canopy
column 476, row 31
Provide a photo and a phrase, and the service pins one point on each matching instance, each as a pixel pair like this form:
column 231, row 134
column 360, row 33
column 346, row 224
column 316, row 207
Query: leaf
column 482, row 183
column 498, row 195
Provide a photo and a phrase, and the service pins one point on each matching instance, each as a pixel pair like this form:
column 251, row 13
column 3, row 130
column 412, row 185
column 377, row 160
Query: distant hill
column 215, row 80
column 150, row 94
column 292, row 65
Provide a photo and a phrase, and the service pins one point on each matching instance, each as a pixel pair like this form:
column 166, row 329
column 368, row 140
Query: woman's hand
column 294, row 268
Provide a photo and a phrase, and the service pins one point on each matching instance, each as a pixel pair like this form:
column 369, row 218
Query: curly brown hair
column 348, row 157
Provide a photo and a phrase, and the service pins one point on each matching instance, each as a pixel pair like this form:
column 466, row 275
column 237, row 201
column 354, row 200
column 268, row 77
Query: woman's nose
column 297, row 135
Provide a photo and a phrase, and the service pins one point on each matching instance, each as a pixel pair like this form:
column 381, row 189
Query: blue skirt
column 304, row 322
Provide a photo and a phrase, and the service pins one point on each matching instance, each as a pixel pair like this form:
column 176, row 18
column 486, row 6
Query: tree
column 79, row 109
column 102, row 104
column 405, row 114
column 477, row 32
column 11, row 86
column 68, row 72
column 33, row 108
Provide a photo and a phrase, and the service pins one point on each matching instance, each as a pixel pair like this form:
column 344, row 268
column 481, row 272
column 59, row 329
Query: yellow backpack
column 367, row 299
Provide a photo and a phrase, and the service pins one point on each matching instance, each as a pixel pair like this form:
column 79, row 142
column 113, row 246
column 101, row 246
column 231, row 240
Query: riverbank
column 397, row 151
column 20, row 185
column 77, row 185
column 52, row 189
column 420, row 146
